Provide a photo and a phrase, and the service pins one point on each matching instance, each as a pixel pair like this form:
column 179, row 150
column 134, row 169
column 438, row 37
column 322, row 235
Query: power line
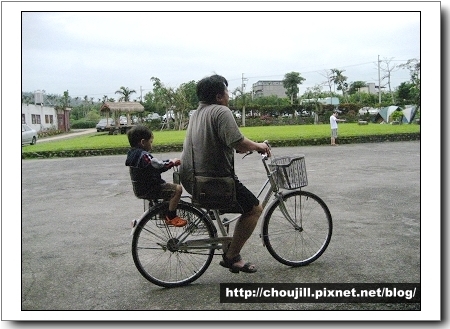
column 318, row 70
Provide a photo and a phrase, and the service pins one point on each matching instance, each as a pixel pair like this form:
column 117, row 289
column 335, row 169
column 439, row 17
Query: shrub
column 49, row 132
column 83, row 124
column 153, row 125
column 397, row 116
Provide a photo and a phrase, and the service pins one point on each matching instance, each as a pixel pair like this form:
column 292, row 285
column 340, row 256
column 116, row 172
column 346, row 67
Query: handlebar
column 264, row 155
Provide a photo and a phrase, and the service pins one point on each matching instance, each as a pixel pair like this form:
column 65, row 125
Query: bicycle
column 296, row 228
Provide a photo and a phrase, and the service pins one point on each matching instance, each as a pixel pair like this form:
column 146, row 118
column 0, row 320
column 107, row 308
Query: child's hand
column 176, row 162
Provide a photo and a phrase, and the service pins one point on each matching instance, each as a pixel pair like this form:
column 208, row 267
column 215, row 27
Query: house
column 41, row 117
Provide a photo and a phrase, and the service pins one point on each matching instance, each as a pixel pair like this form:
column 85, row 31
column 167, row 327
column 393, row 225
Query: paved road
column 71, row 134
column 76, row 248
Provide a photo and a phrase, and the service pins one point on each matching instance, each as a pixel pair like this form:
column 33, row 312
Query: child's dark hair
column 208, row 88
column 137, row 133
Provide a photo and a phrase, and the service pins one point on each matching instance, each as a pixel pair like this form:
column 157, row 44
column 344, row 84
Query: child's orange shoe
column 176, row 221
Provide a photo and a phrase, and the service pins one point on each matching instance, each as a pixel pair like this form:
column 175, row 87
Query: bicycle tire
column 156, row 258
column 298, row 247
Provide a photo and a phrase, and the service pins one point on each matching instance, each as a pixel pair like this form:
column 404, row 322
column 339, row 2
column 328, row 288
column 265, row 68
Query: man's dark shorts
column 246, row 199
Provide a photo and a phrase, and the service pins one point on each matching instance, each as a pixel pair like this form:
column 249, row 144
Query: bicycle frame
column 278, row 196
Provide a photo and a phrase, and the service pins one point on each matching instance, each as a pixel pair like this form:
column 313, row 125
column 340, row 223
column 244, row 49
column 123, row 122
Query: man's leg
column 333, row 137
column 243, row 230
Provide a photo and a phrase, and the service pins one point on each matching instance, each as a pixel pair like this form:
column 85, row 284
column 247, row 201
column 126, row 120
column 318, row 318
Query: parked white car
column 153, row 116
column 123, row 120
column 29, row 135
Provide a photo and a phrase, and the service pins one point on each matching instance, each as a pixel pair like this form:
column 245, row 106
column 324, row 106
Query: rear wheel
column 303, row 243
column 33, row 141
column 158, row 254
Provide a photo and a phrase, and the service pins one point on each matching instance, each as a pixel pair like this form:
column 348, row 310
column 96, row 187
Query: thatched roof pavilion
column 121, row 107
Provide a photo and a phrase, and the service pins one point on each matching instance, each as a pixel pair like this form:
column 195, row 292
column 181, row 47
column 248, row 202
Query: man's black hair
column 208, row 88
column 137, row 133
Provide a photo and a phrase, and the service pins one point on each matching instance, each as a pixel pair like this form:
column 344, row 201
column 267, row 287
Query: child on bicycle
column 145, row 173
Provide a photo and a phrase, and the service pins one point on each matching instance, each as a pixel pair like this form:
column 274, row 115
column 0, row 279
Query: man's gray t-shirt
column 211, row 135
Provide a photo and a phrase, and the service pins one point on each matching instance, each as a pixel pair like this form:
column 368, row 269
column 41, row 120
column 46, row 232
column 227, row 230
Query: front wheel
column 304, row 242
column 157, row 251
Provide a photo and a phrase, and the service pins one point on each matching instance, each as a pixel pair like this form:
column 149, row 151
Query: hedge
column 179, row 147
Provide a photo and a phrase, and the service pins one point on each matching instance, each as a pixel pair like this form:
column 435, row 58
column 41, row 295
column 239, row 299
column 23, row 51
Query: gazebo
column 115, row 109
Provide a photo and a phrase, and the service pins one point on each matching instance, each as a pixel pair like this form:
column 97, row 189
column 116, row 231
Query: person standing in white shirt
column 334, row 127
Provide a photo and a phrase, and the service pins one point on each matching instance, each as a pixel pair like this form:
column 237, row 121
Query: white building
column 324, row 101
column 269, row 88
column 40, row 117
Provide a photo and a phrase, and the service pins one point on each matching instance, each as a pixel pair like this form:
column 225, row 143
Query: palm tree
column 125, row 92
column 290, row 83
column 339, row 80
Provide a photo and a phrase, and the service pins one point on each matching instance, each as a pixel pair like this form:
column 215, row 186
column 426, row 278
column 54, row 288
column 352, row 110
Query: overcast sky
column 95, row 53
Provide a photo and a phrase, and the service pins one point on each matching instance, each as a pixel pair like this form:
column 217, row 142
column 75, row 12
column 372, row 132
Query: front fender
column 272, row 203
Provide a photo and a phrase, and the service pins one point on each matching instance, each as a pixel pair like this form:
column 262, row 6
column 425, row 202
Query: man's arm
column 246, row 145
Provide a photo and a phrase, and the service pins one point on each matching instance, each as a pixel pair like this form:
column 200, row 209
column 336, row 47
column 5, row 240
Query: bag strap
column 192, row 151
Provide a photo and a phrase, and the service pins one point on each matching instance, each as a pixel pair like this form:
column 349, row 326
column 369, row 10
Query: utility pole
column 141, row 93
column 243, row 99
column 379, row 82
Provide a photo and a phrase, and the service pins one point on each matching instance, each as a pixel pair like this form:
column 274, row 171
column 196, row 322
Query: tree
column 290, row 83
column 189, row 90
column 356, row 86
column 240, row 97
column 364, row 99
column 27, row 98
column 397, row 116
column 405, row 93
column 93, row 116
column 272, row 100
column 106, row 99
column 387, row 68
column 185, row 99
column 125, row 92
column 163, row 99
column 63, row 102
column 149, row 103
column 314, row 94
column 339, row 80
column 329, row 75
column 413, row 65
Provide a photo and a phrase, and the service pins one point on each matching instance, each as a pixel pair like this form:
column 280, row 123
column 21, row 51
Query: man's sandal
column 228, row 263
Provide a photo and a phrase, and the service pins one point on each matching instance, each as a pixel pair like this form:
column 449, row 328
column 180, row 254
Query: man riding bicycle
column 211, row 138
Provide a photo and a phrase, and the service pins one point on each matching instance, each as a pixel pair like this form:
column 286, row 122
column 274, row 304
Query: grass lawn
column 272, row 133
